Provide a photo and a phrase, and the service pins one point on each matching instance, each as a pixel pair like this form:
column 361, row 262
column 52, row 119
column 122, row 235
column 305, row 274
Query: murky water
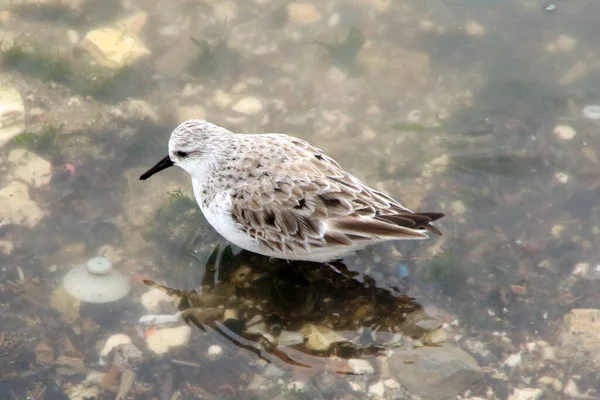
column 473, row 108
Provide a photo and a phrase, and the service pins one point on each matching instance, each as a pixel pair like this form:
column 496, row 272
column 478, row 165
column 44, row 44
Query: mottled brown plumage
column 279, row 196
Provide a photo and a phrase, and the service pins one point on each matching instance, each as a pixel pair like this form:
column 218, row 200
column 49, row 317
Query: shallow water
column 468, row 107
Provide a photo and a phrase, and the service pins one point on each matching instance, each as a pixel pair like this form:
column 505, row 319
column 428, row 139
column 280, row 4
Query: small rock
column 12, row 114
column 557, row 230
column 303, row 13
column 214, row 352
column 458, row 207
column 73, row 36
column 426, row 25
column 117, row 46
column 360, row 366
column 474, row 28
column 564, row 132
column 572, row 391
column 336, row 75
column 435, row 373
column 162, row 340
column 152, row 300
column 248, row 106
column 6, row 247
column 222, row 99
column 565, row 43
column 225, row 11
column 139, row 109
column 127, row 356
column 65, row 304
column 296, row 385
column 391, row 384
column 16, row 207
column 190, row 112
column 512, row 360
column 580, row 270
column 44, row 353
column 377, row 389
column 290, row 338
column 578, row 336
column 114, row 341
column 30, row 168
column 319, row 338
column 83, row 392
column 273, row 371
column 550, row 381
column 526, row 394
column 562, row 177
column 592, row 112
column 576, row 72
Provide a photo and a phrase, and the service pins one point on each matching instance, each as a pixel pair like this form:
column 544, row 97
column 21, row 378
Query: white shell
column 99, row 266
column 592, row 111
column 96, row 282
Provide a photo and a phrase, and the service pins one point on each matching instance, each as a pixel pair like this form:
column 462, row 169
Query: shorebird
column 279, row 196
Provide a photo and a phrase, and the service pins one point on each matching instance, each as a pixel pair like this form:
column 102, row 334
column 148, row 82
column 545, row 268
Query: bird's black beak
column 162, row 164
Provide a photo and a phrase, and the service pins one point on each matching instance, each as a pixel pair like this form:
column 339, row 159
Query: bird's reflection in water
column 297, row 314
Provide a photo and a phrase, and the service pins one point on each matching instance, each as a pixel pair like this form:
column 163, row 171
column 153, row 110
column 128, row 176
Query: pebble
column 573, row 391
column 152, row 298
column 550, row 381
column 226, row 11
column 591, row 112
column 214, row 352
column 576, row 72
column 526, row 394
column 273, row 371
column 458, row 207
column 426, row 25
column 391, row 384
column 290, row 338
column 6, row 247
column 127, row 356
column 114, row 341
column 296, row 385
column 474, row 28
column 303, row 13
column 561, row 177
column 118, row 45
column 222, row 99
column 44, row 353
column 30, row 168
column 557, row 230
column 334, row 20
column 140, row 109
column 580, row 269
column 248, row 106
column 512, row 360
column 377, row 389
column 578, row 336
column 12, row 114
column 360, row 367
column 336, row 75
column 73, row 36
column 16, row 207
column 565, row 43
column 565, row 132
column 239, row 88
column 162, row 340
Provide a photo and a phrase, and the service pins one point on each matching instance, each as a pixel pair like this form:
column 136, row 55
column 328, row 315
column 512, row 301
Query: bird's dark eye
column 181, row 153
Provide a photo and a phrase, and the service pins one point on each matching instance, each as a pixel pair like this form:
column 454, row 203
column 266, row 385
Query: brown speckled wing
column 311, row 202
